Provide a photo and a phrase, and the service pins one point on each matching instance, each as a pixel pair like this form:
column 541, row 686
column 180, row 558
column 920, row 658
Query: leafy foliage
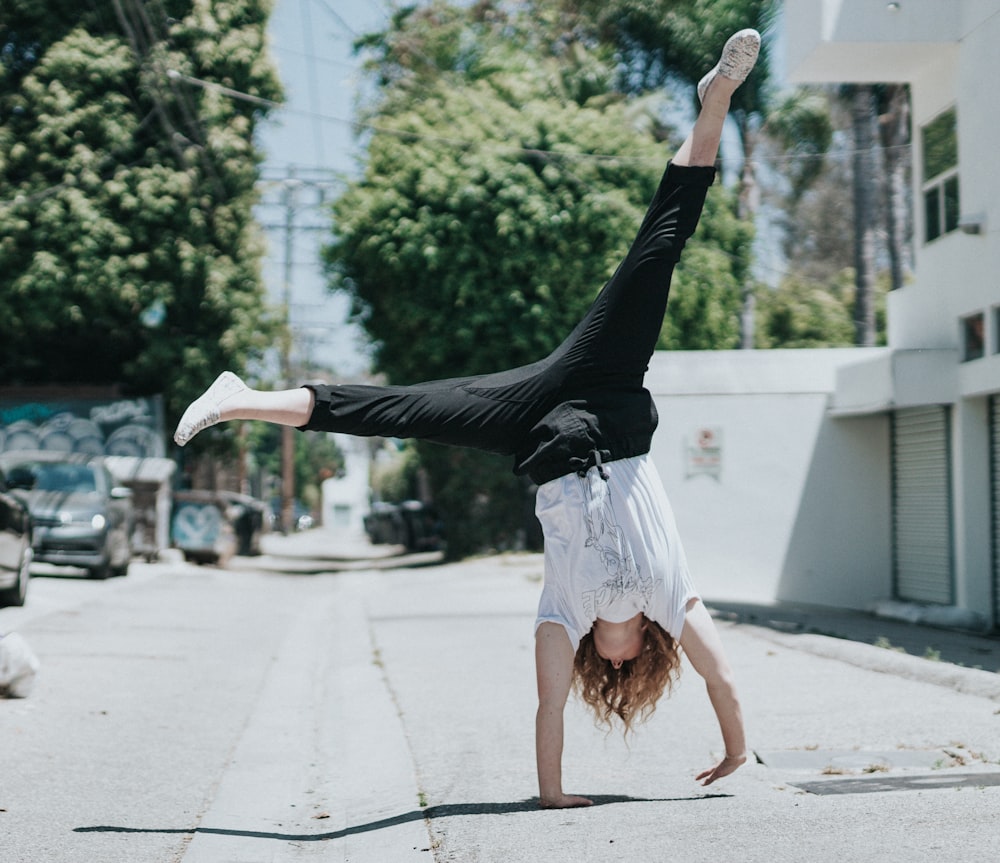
column 502, row 187
column 802, row 125
column 803, row 313
column 705, row 295
column 482, row 254
column 128, row 251
column 681, row 38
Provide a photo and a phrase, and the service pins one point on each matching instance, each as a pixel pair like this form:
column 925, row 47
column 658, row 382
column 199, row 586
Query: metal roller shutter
column 921, row 505
column 995, row 495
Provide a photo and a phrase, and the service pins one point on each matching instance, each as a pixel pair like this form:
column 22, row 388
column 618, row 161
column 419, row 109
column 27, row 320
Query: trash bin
column 149, row 480
column 201, row 527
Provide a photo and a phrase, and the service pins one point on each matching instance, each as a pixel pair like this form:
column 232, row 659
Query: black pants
column 598, row 369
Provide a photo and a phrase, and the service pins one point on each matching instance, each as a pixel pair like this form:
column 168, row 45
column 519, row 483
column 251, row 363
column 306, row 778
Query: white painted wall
column 885, row 45
column 799, row 509
column 971, row 496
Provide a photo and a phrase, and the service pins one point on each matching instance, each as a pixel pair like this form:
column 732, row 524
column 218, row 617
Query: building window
column 973, row 337
column 996, row 345
column 940, row 177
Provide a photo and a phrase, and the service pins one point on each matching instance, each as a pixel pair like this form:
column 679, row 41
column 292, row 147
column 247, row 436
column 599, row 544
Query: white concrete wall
column 971, row 503
column 346, row 499
column 884, row 44
column 799, row 508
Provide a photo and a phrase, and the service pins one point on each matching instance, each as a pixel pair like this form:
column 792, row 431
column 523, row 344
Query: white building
column 861, row 477
column 347, row 498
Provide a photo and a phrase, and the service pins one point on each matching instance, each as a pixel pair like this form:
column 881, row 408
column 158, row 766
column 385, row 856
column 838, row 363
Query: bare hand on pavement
column 726, row 766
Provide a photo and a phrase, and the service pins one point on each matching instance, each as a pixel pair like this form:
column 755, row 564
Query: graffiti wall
column 124, row 427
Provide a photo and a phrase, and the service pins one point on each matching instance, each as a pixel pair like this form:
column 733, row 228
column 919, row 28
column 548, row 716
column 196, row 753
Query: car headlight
column 97, row 520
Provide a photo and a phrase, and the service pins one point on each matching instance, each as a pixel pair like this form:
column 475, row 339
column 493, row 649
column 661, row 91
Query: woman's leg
column 445, row 411
column 702, row 144
column 610, row 348
column 615, row 341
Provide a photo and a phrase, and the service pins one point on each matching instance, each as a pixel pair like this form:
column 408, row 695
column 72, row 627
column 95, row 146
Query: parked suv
column 15, row 544
column 79, row 517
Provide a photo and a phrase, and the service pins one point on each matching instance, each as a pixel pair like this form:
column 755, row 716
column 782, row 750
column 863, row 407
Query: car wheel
column 17, row 593
column 100, row 572
column 122, row 570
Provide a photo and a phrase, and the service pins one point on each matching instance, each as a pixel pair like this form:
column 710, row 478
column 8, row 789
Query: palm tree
column 894, row 135
column 864, row 117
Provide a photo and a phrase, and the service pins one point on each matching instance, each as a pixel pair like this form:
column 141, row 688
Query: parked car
column 412, row 524
column 15, row 544
column 79, row 517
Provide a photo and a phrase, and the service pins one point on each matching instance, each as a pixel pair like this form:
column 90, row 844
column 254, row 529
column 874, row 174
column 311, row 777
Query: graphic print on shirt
column 608, row 541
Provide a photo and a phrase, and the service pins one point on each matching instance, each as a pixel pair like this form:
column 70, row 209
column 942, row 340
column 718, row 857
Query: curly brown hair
column 629, row 693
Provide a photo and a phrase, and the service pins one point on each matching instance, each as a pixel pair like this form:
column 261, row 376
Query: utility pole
column 289, row 190
column 291, row 185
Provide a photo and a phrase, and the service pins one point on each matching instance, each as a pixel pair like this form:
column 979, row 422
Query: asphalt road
column 202, row 715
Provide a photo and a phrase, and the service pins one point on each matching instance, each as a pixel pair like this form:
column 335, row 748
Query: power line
column 462, row 143
column 338, row 18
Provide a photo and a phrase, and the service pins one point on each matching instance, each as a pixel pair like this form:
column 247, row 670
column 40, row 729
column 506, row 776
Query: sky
column 309, row 148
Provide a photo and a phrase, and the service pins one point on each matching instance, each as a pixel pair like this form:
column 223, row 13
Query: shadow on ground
column 430, row 813
column 959, row 648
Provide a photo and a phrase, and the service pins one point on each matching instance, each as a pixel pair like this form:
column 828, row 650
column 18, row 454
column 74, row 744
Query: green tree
column 825, row 233
column 501, row 189
column 804, row 313
column 128, row 252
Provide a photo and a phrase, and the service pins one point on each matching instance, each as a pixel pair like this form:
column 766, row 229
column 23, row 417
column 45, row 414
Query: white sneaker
column 204, row 411
column 739, row 55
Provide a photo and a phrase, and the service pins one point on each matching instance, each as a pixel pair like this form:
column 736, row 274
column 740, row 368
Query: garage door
column 921, row 511
column 995, row 495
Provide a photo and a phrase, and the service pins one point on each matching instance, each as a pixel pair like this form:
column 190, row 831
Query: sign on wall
column 703, row 452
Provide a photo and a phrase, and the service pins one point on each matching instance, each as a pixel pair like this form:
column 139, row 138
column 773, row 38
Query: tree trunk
column 747, row 203
column 894, row 127
column 864, row 116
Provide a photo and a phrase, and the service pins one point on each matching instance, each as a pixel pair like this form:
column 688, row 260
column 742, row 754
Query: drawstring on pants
column 594, row 459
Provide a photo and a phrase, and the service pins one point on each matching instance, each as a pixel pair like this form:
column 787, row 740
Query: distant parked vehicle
column 79, row 517
column 412, row 524
column 15, row 544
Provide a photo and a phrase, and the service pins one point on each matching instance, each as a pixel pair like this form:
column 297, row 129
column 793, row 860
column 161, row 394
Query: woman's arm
column 703, row 647
column 554, row 670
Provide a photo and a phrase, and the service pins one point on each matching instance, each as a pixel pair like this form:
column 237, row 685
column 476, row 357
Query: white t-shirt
column 611, row 550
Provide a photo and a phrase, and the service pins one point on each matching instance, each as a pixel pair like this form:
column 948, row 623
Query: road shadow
column 430, row 813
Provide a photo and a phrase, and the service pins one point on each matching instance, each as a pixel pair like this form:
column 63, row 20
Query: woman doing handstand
column 617, row 597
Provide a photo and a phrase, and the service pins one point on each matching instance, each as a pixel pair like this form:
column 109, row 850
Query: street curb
column 969, row 681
